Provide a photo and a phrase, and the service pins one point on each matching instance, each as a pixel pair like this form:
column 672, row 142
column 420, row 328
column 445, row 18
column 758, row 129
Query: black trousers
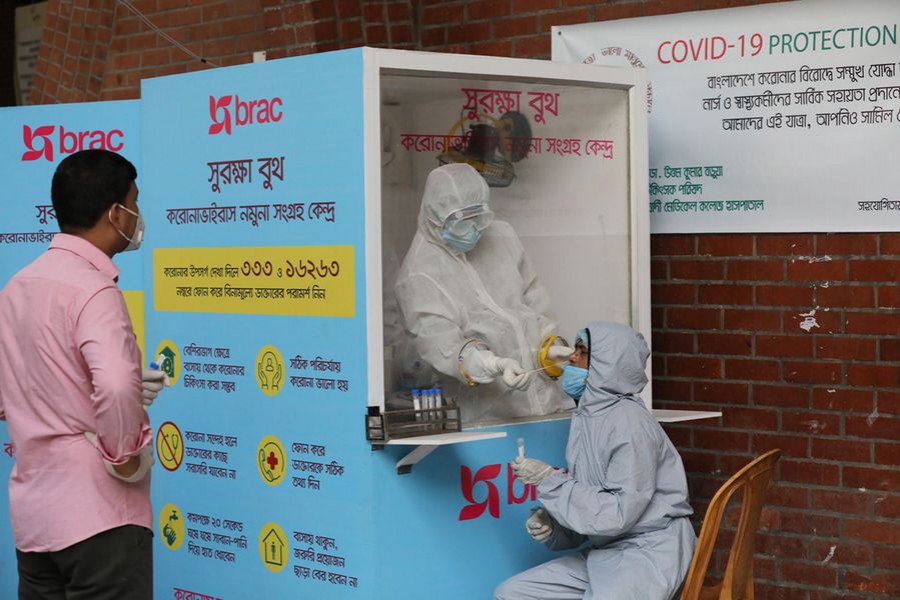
column 115, row 564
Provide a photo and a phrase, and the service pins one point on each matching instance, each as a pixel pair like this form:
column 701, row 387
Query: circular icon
column 171, row 361
column 273, row 550
column 171, row 526
column 270, row 460
column 169, row 446
column 269, row 370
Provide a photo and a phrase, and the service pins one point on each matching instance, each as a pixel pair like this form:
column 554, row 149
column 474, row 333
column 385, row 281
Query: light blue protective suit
column 625, row 491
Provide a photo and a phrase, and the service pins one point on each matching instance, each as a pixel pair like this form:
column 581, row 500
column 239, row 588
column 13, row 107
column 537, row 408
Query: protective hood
column 448, row 189
column 616, row 370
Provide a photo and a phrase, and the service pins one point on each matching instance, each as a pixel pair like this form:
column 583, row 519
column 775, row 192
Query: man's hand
column 152, row 381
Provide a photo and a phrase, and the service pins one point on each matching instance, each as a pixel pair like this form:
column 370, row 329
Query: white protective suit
column 625, row 491
column 490, row 293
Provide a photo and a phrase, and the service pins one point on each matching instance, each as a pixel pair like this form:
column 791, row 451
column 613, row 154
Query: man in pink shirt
column 73, row 393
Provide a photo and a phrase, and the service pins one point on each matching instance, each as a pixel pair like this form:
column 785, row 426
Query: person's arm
column 612, row 509
column 105, row 338
column 563, row 538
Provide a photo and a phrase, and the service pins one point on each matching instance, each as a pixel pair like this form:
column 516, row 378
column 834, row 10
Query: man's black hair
column 85, row 186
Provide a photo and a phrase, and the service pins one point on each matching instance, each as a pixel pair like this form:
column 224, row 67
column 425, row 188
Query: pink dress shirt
column 69, row 364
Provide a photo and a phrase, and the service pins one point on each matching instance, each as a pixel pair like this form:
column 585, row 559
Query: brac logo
column 39, row 142
column 224, row 113
column 491, row 504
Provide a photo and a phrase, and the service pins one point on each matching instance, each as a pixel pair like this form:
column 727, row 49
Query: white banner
column 782, row 117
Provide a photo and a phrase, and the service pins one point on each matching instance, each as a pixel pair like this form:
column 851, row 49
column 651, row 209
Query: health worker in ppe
column 474, row 306
column 624, row 496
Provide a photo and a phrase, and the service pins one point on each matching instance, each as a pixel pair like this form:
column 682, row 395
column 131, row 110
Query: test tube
column 417, row 403
column 520, row 442
column 157, row 365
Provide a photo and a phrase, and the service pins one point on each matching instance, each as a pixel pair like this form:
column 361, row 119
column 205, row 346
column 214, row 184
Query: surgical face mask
column 134, row 242
column 574, row 380
column 463, row 228
column 461, row 242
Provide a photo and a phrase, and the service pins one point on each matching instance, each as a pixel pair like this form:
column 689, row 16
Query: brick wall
column 727, row 309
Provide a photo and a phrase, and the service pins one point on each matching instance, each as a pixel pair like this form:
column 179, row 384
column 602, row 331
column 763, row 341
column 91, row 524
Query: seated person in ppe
column 625, row 492
column 474, row 306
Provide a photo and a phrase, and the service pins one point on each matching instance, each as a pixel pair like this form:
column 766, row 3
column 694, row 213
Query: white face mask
column 134, row 242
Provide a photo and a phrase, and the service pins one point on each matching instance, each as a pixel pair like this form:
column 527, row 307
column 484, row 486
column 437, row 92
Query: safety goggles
column 463, row 220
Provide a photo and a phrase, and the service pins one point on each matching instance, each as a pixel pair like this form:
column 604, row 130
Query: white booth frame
column 378, row 62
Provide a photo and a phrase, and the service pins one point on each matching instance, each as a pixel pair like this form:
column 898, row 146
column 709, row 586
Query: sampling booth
column 284, row 298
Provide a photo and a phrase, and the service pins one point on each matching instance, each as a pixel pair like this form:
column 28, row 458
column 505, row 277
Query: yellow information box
column 314, row 281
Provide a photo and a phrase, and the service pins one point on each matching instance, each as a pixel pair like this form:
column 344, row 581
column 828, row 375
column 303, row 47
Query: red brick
column 754, row 419
column 890, row 244
column 816, row 423
column 853, row 296
column 673, row 293
column 442, row 14
column 668, row 389
column 879, row 532
column 810, row 472
column 434, row 36
column 772, row 395
column 659, row 269
column 672, row 342
column 503, row 48
column 752, row 320
column 486, row 9
column 812, row 372
column 784, row 345
column 881, row 427
column 765, row 591
column 781, row 546
column 716, row 392
column 887, row 506
column 724, row 343
column 842, row 399
column 784, row 295
column 516, row 26
column 721, row 441
column 697, row 269
column 843, row 553
column 698, row 462
column 694, row 366
column 679, row 434
column 526, row 6
column 607, row 12
column 657, row 316
column 658, row 364
column 537, row 46
column 793, row 445
column 469, row 32
column 756, row 370
column 843, row 502
column 847, row 244
column 875, row 270
column 787, row 496
column 887, row 454
column 672, row 245
column 801, row 269
column 756, row 270
column 873, row 375
column 873, row 323
column 889, row 349
column 725, row 245
column 845, row 348
column 725, row 294
column 823, row 595
column 810, row 524
column 569, row 17
column 842, row 450
column 887, row 557
column 886, row 480
column 693, row 318
column 882, row 583
column 889, row 296
column 783, row 244
column 889, row 402
column 809, row 574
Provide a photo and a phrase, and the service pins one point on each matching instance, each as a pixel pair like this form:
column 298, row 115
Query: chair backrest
column 737, row 584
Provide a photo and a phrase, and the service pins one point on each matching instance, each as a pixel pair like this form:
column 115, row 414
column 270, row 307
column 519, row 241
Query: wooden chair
column 737, row 584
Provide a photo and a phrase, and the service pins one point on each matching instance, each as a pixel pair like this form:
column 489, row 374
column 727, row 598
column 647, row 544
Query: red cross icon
column 272, row 461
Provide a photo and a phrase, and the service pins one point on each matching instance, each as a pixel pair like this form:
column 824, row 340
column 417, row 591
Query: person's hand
column 132, row 471
column 531, row 470
column 558, row 354
column 514, row 375
column 152, row 381
column 539, row 525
